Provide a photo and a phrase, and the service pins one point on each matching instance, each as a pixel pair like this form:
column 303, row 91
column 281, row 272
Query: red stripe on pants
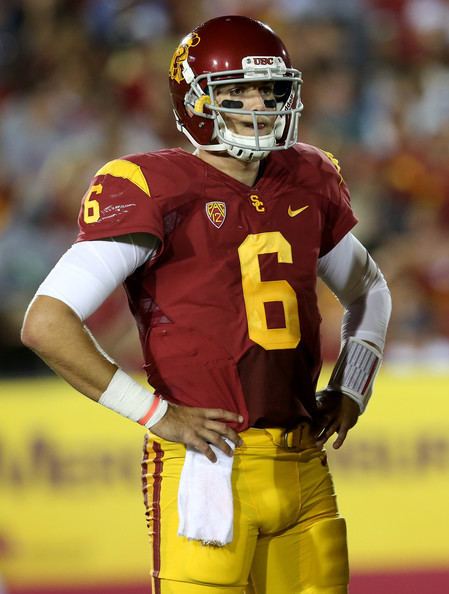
column 157, row 480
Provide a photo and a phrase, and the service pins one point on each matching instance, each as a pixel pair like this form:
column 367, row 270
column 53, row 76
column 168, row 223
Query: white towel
column 205, row 502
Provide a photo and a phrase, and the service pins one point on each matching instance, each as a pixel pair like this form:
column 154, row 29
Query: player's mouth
column 261, row 126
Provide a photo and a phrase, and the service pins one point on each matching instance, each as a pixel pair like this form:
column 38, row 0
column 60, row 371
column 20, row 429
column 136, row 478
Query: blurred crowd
column 85, row 81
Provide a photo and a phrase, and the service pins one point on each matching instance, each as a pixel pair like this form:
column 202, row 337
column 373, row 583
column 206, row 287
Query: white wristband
column 355, row 370
column 128, row 398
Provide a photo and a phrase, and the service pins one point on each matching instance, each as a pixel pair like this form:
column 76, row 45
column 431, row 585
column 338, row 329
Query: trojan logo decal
column 216, row 213
column 180, row 55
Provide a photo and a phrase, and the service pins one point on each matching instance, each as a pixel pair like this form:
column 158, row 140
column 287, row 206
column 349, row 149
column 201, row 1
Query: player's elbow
column 388, row 301
column 41, row 323
column 35, row 326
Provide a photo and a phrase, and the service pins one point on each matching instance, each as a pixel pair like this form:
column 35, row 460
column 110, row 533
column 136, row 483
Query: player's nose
column 256, row 100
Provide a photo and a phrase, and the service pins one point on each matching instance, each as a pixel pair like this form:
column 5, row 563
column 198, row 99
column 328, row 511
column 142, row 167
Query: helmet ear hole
column 282, row 90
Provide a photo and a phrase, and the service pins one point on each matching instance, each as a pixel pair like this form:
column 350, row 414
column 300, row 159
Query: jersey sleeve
column 339, row 218
column 119, row 201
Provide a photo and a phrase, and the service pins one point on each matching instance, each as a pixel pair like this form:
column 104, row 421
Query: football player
column 219, row 251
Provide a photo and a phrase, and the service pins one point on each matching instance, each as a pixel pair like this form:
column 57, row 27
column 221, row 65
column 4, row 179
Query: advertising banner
column 71, row 511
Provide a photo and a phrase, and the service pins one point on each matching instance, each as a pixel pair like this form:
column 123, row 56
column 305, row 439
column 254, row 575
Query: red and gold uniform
column 228, row 314
column 228, row 318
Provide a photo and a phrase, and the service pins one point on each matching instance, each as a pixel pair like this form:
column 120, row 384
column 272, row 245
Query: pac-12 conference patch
column 216, row 213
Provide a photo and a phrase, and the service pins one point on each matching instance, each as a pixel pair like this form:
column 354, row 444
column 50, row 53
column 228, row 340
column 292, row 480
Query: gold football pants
column 288, row 538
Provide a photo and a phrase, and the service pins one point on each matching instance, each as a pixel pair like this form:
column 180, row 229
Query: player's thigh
column 310, row 557
column 309, row 562
column 217, row 569
column 179, row 563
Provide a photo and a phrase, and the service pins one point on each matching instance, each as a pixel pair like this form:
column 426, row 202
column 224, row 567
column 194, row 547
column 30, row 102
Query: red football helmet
column 233, row 49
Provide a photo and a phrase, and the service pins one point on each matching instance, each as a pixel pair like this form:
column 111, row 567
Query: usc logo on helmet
column 263, row 61
column 181, row 54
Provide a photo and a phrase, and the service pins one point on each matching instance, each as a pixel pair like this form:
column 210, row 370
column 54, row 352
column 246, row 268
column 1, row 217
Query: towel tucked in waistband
column 205, row 503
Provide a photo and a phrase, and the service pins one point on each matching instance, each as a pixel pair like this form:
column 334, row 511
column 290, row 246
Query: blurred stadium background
column 83, row 81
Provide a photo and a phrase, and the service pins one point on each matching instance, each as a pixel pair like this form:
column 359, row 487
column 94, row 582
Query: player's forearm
column 367, row 317
column 58, row 336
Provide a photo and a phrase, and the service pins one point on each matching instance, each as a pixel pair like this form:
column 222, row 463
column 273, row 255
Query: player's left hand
column 337, row 414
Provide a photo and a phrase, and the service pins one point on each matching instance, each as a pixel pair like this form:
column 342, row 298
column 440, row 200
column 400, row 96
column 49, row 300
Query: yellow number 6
column 257, row 292
column 92, row 206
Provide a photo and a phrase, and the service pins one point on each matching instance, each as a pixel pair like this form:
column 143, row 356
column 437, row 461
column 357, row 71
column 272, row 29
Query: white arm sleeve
column 91, row 270
column 350, row 272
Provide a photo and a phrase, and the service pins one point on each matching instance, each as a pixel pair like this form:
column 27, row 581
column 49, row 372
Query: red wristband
column 147, row 416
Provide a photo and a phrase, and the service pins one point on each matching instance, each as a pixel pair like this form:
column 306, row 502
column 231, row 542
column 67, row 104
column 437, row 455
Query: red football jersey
column 227, row 313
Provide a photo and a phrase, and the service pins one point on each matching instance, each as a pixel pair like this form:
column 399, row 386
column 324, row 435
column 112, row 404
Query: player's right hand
column 199, row 427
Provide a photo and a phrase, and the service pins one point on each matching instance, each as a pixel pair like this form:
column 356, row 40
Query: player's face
column 252, row 97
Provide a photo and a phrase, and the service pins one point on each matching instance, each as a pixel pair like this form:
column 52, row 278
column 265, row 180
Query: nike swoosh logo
column 293, row 213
